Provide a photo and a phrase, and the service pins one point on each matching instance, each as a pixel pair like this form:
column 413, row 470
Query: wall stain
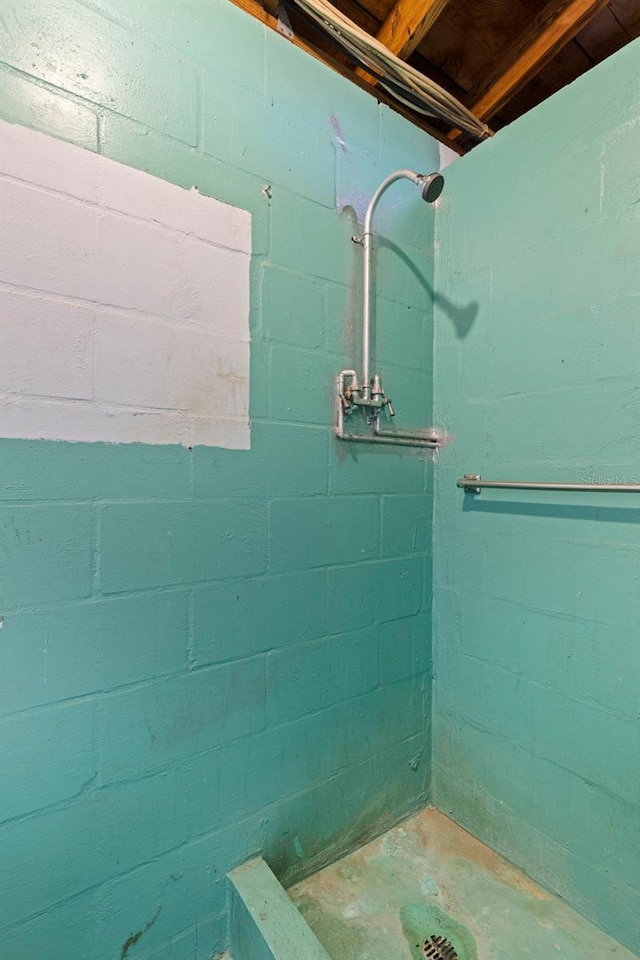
column 133, row 939
column 382, row 812
column 337, row 129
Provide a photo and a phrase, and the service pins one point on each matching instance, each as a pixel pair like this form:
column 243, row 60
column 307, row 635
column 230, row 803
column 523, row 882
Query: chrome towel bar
column 473, row 483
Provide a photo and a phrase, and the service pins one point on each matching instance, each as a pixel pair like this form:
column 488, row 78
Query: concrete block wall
column 537, row 595
column 125, row 303
column 212, row 654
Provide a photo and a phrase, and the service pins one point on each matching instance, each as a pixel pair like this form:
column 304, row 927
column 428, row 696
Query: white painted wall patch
column 124, row 302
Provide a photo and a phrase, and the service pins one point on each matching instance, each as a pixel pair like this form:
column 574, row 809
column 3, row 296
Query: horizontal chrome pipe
column 473, row 483
column 386, row 438
column 420, row 439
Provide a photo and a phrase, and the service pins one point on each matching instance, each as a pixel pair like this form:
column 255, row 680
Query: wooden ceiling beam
column 552, row 29
column 404, row 27
column 407, row 23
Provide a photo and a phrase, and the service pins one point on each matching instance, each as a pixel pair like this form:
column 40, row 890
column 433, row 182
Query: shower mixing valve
column 378, row 399
column 372, row 400
column 351, row 395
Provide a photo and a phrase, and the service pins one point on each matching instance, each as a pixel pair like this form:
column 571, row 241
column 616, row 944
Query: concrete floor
column 430, row 876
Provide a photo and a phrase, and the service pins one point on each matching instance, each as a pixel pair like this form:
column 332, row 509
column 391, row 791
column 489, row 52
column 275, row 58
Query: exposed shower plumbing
column 367, row 391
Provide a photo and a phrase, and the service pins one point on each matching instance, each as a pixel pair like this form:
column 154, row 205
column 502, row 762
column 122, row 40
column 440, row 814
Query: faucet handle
column 392, row 412
column 346, row 402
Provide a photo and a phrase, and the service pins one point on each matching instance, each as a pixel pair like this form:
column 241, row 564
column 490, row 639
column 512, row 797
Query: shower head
column 431, row 186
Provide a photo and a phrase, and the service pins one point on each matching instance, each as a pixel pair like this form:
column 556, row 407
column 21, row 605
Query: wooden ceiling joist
column 555, row 26
column 407, row 24
column 404, row 27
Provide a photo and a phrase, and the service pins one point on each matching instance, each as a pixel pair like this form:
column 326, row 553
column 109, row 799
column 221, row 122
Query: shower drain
column 438, row 948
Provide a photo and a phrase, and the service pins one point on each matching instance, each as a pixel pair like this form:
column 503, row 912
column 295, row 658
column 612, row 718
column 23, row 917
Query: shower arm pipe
column 399, row 439
column 365, row 389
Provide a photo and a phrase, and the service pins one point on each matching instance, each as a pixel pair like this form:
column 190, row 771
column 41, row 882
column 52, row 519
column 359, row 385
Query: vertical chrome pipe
column 366, row 287
column 365, row 390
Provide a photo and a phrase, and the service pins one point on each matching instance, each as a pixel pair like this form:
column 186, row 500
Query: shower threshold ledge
column 426, row 888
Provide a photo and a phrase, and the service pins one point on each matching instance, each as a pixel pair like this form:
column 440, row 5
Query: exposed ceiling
column 498, row 57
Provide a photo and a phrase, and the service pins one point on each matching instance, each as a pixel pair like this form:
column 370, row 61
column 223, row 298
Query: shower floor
column 382, row 901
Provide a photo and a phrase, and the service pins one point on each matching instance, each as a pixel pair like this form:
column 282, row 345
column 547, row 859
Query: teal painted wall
column 537, row 596
column 162, row 722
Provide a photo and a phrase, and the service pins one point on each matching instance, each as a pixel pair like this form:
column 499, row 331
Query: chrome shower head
column 431, row 186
